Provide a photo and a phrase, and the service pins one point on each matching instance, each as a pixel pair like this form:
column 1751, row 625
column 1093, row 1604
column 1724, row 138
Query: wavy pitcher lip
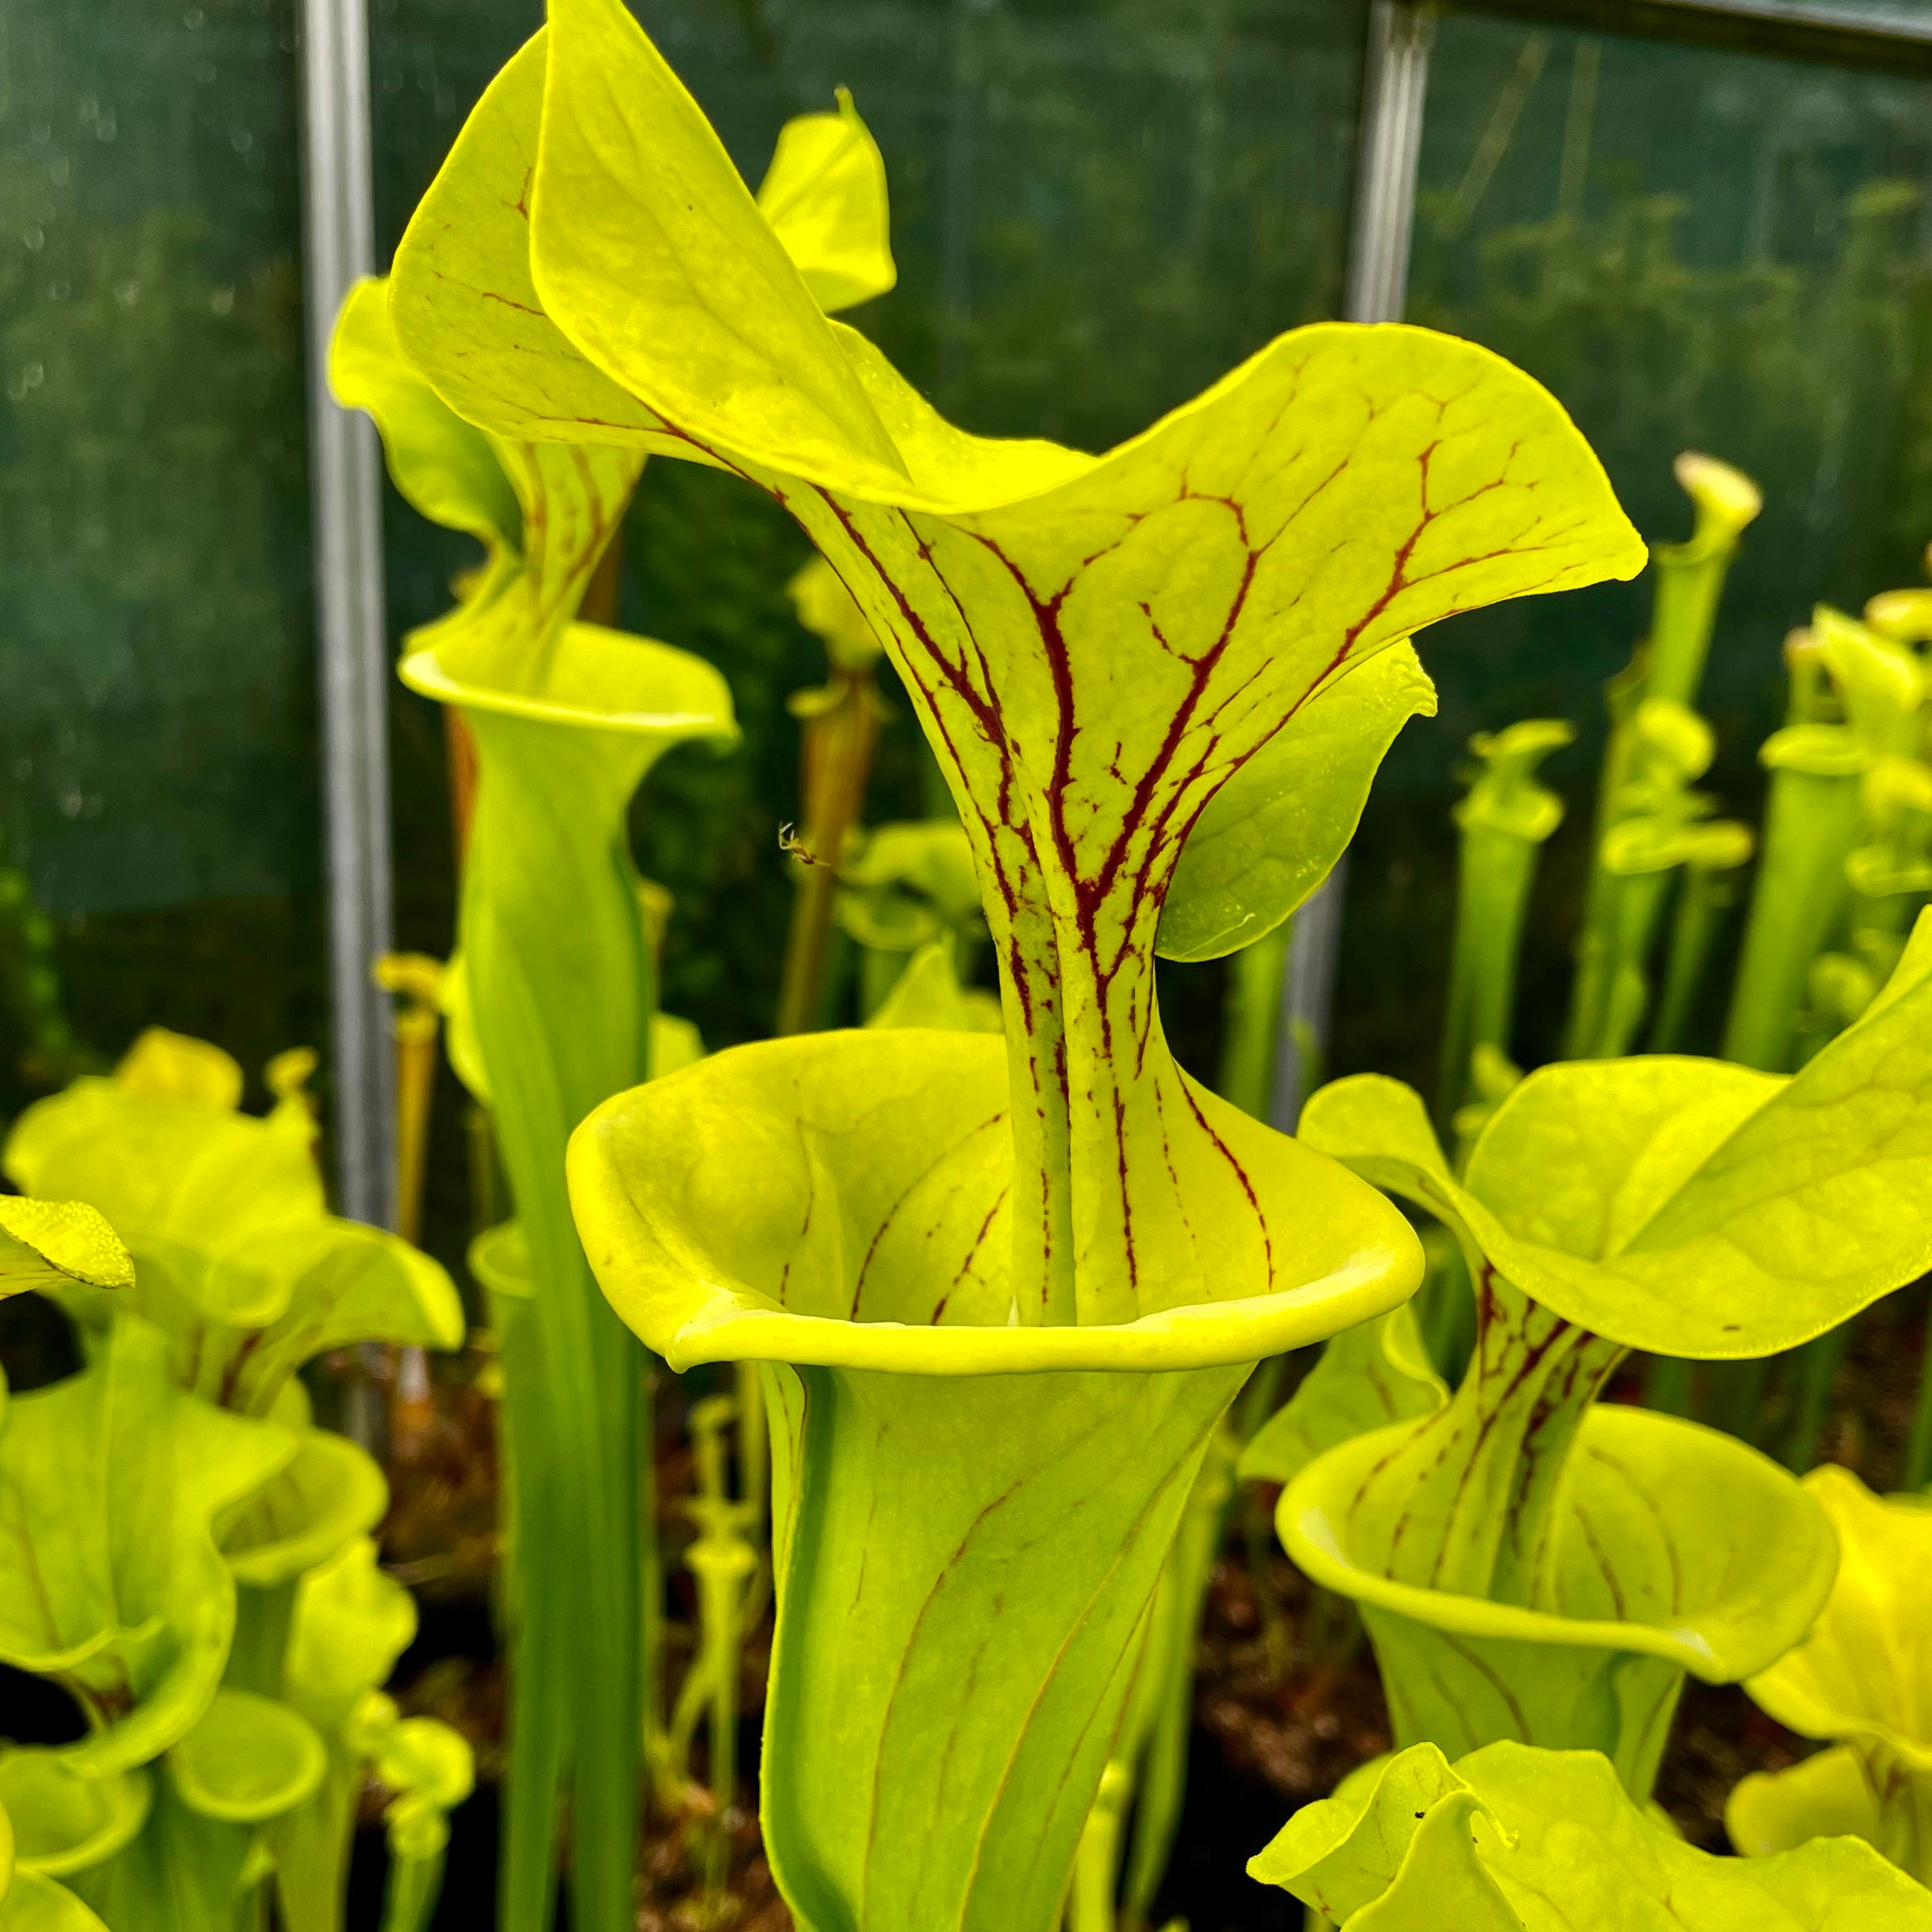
column 425, row 671
column 843, row 420
column 735, row 1327
column 1315, row 1537
column 790, row 1168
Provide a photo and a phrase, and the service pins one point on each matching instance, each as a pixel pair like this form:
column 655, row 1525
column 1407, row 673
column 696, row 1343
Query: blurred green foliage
column 1693, row 250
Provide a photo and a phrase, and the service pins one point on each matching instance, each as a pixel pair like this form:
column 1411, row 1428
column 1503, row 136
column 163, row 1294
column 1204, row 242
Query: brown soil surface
column 675, row 1897
column 1719, row 1735
column 1303, row 1729
column 1303, row 1732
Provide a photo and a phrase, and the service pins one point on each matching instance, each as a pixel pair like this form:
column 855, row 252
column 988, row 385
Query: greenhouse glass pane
column 1098, row 206
column 1693, row 248
column 157, row 723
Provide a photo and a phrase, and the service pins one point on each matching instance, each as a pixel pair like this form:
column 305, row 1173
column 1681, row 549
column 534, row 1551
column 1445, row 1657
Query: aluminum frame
column 1795, row 30
column 1395, row 83
column 345, row 521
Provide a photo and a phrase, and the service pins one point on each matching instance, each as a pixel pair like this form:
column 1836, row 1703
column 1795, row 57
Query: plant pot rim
column 1310, row 1535
column 423, row 670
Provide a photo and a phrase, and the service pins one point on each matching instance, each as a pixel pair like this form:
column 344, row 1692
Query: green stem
column 718, row 1591
column 1667, row 1384
column 841, row 733
column 1260, row 1398
column 1699, row 900
column 1258, row 1546
column 409, row 1898
column 535, row 1592
column 561, row 979
column 1505, row 822
column 650, row 1563
column 754, row 1447
column 1613, row 1010
column 722, row 1561
column 1734, row 1398
column 1918, row 1465
column 1090, row 1903
column 1492, row 899
column 1596, row 941
column 1687, row 581
column 1464, row 1503
column 485, row 1170
column 1446, row 1306
column 1256, row 1404
column 972, row 1816
column 1251, row 1021
column 263, row 1618
column 1811, row 823
column 879, row 969
column 1817, row 1365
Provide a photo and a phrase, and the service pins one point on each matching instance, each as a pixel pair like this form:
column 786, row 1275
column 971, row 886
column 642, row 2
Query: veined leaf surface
column 1097, row 646
column 1686, row 1207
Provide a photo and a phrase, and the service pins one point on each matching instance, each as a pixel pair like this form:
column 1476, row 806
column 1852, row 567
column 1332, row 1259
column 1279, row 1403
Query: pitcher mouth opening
column 423, row 669
column 1315, row 1537
column 733, row 1326
column 747, row 1208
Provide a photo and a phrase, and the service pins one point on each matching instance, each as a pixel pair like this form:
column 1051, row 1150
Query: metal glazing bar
column 1893, row 40
column 1394, row 83
column 338, row 245
column 1392, row 90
